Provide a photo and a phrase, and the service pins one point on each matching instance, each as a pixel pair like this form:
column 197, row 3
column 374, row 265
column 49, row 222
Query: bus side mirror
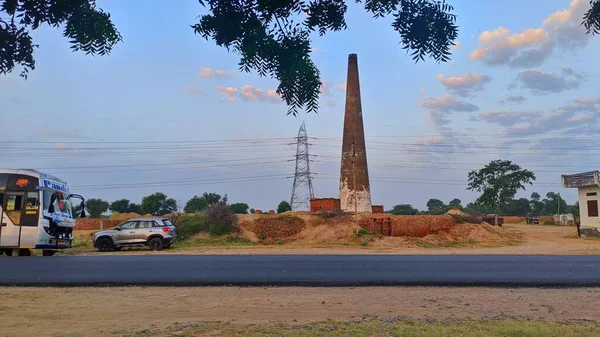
column 52, row 201
column 82, row 206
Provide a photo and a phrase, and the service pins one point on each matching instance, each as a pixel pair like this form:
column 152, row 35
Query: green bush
column 188, row 225
column 221, row 219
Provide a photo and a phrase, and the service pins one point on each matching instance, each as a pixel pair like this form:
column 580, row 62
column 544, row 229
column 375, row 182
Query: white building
column 588, row 184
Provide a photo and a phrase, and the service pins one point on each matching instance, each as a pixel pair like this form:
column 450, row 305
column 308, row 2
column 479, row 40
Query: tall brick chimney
column 354, row 181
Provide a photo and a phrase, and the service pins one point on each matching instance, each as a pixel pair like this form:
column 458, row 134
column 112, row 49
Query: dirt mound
column 326, row 234
column 275, row 227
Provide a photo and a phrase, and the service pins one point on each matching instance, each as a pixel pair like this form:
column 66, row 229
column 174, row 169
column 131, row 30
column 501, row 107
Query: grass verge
column 383, row 327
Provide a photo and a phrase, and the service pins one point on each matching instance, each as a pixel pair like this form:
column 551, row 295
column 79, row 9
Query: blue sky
column 170, row 108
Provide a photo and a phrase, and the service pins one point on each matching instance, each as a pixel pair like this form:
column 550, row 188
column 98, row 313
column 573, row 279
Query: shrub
column 188, row 225
column 549, row 223
column 221, row 219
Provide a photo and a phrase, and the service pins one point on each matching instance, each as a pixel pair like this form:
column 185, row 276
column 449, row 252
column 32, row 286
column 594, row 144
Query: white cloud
column 250, row 93
column 317, row 50
column 329, row 103
column 516, row 99
column 192, row 90
column 441, row 107
column 211, row 73
column 508, row 117
column 529, row 48
column 423, row 90
column 342, row 86
column 230, row 92
column 325, row 88
column 60, row 146
column 581, row 113
column 464, row 85
column 542, row 81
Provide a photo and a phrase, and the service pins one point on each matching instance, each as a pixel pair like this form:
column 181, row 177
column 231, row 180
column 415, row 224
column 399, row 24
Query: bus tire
column 48, row 252
column 104, row 244
column 155, row 243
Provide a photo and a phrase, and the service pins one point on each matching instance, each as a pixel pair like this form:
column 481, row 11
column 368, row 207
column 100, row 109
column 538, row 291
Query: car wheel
column 104, row 245
column 155, row 244
column 48, row 252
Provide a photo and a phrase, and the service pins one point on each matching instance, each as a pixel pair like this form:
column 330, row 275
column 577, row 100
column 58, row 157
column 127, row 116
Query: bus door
column 13, row 206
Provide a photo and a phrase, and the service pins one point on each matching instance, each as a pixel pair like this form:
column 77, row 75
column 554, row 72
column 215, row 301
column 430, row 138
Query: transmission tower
column 302, row 177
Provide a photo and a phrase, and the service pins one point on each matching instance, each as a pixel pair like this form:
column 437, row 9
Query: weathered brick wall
column 328, row 204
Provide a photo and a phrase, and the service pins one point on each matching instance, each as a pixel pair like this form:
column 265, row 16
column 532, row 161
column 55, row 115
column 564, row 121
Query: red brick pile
column 277, row 227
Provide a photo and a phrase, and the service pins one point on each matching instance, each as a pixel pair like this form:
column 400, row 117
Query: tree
column 134, row 208
column 455, row 203
column 199, row 204
column 404, row 209
column 239, row 208
column 498, row 182
column 435, row 204
column 478, row 209
column 574, row 209
column 124, row 206
column 121, row 206
column 87, row 28
column 158, row 204
column 283, row 207
column 535, row 205
column 517, row 207
column 551, row 204
column 96, row 207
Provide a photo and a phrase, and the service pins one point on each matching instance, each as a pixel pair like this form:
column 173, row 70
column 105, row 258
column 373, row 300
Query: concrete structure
column 588, row 184
column 354, row 175
column 324, row 204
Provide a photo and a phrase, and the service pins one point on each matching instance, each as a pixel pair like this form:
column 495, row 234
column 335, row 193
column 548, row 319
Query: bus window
column 32, row 206
column 14, row 204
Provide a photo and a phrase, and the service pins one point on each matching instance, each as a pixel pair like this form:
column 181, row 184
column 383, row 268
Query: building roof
column 584, row 179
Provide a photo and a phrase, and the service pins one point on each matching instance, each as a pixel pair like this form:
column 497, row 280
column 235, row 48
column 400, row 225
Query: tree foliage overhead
column 273, row 37
column 591, row 19
column 88, row 29
column 498, row 182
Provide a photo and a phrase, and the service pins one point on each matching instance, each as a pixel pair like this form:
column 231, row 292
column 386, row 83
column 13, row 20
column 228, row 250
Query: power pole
column 302, row 175
column 559, row 219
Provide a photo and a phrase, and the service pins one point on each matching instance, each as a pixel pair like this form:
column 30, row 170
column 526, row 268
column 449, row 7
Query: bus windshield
column 61, row 205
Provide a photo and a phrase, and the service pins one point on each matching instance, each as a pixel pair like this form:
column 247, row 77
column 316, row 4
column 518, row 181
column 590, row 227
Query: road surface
column 301, row 270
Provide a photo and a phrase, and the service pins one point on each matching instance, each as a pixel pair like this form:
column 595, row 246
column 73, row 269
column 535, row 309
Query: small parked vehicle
column 156, row 233
column 533, row 219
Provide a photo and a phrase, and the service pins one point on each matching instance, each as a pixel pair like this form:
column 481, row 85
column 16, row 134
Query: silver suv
column 156, row 233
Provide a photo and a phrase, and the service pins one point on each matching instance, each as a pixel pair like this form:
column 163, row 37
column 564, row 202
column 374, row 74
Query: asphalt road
column 301, row 270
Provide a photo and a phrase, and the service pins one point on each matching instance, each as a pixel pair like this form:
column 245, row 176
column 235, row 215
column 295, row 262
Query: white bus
column 36, row 213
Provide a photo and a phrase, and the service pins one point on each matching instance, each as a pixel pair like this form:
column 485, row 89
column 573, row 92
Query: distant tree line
column 159, row 204
column 514, row 207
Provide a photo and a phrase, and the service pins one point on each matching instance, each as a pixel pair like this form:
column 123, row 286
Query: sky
column 169, row 111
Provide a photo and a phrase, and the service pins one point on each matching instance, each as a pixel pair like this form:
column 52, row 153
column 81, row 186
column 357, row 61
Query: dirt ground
column 517, row 239
column 110, row 311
